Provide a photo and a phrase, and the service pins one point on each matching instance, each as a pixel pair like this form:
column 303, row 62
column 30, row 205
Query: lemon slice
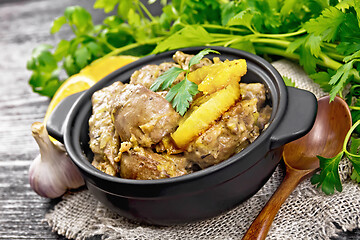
column 87, row 77
column 98, row 69
column 74, row 84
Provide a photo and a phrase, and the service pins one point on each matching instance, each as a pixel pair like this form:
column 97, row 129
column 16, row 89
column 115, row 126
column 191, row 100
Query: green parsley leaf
column 57, row 24
column 181, row 95
column 355, row 176
column 80, row 18
column 70, row 66
column 355, row 161
column 228, row 11
column 307, row 60
column 82, row 55
column 322, row 78
column 288, row 82
column 327, row 24
column 340, row 79
column 196, row 59
column 328, row 178
column 62, row 49
column 196, row 35
column 243, row 18
column 107, row 5
column 245, row 45
column 166, row 79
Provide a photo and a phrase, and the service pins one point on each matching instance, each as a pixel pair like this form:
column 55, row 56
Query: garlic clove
column 52, row 172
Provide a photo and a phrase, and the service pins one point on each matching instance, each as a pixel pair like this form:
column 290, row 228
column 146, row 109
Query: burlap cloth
column 306, row 214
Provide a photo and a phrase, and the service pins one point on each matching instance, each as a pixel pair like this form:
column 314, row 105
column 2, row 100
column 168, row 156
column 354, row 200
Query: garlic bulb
column 52, row 172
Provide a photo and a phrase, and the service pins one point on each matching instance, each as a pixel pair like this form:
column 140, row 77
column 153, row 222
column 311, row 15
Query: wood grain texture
column 24, row 25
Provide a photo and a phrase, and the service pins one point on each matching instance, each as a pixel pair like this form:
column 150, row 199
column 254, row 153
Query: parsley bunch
column 323, row 36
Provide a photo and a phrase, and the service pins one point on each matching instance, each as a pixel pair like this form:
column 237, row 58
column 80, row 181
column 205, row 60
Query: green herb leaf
column 166, row 79
column 355, row 161
column 61, row 50
column 339, row 79
column 80, row 18
column 322, row 78
column 243, row 18
column 355, row 176
column 327, row 24
column 107, row 5
column 307, row 60
column 82, row 55
column 57, row 24
column 228, row 11
column 70, row 66
column 181, row 95
column 328, row 178
column 196, row 59
column 195, row 35
column 288, row 82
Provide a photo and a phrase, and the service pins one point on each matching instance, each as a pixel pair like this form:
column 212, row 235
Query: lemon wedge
column 87, row 77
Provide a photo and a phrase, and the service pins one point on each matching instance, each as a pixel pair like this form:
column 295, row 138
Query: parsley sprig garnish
column 181, row 94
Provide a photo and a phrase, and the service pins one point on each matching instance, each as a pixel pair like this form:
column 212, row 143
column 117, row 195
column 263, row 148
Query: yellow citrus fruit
column 87, row 77
column 75, row 83
column 104, row 66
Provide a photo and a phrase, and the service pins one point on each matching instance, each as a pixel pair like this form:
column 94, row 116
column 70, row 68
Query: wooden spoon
column 326, row 138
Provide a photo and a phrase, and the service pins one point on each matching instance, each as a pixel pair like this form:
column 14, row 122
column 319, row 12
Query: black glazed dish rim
column 277, row 93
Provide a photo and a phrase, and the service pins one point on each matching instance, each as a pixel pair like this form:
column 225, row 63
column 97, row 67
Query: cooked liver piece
column 143, row 163
column 142, row 115
column 104, row 140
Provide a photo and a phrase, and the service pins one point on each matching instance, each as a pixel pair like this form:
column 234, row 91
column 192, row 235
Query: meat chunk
column 143, row 116
column 253, row 90
column 143, row 163
column 233, row 132
column 183, row 60
column 104, row 140
column 147, row 75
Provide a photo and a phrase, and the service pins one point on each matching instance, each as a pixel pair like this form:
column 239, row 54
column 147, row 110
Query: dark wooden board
column 24, row 25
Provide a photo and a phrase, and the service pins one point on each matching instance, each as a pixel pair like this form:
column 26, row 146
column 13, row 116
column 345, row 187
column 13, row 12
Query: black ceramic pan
column 202, row 194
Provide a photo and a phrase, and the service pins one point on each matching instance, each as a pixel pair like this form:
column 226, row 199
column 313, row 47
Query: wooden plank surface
column 24, row 25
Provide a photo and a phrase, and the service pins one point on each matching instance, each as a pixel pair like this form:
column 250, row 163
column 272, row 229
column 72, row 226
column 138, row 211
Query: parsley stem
column 328, row 62
column 335, row 56
column 277, row 51
column 147, row 11
column 348, row 135
column 325, row 60
column 354, row 108
column 232, row 29
column 282, row 35
column 278, row 42
column 117, row 51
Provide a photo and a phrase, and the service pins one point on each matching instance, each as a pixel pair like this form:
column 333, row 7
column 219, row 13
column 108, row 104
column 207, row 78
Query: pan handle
column 299, row 117
column 56, row 120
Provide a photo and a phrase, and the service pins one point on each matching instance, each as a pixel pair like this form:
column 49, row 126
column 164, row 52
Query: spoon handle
column 261, row 225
